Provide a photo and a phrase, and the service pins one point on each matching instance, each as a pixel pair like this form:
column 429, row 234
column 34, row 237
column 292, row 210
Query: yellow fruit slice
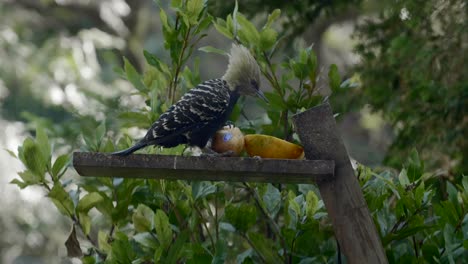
column 271, row 147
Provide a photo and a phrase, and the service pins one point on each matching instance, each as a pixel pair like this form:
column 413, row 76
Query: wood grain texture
column 202, row 168
column 343, row 197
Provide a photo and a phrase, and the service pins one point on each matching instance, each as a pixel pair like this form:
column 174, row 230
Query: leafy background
column 92, row 76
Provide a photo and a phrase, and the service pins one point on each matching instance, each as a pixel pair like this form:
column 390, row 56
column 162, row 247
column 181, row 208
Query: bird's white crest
column 242, row 68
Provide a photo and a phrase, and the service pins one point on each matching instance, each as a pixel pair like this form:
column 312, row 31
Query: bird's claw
column 229, row 124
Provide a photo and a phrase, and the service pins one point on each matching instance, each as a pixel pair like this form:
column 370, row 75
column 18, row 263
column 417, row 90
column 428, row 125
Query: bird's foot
column 229, row 125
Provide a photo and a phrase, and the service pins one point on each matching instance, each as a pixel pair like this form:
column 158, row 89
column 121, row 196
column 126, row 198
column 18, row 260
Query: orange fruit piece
column 272, row 147
column 228, row 139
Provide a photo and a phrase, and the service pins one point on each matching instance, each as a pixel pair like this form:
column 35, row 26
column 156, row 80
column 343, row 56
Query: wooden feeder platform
column 327, row 164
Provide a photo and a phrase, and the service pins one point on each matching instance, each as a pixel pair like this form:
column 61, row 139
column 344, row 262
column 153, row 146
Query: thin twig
column 111, row 232
column 179, row 63
column 182, row 222
column 415, row 246
column 272, row 223
column 277, row 87
column 338, row 249
column 253, row 246
column 204, row 224
column 276, row 82
column 216, row 215
column 76, row 221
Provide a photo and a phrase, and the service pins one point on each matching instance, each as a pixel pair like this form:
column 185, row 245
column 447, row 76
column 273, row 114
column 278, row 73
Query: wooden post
column 342, row 195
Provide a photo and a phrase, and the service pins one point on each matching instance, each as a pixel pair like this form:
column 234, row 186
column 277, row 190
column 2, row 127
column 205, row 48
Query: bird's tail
column 130, row 150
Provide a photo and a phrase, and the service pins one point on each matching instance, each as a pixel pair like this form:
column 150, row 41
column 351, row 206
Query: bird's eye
column 254, row 84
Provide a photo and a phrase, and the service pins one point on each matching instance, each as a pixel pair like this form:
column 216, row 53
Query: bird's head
column 243, row 73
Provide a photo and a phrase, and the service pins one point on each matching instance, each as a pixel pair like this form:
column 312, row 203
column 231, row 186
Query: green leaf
column 146, row 239
column 294, row 210
column 430, row 252
column 60, row 165
column 89, row 201
column 303, row 56
column 61, row 199
column 419, row 194
column 105, row 206
column 220, row 26
column 85, row 222
column 232, row 20
column 135, row 119
column 210, row 49
column 245, row 256
column 164, row 21
column 20, row 184
column 242, row 217
column 157, row 254
column 176, row 3
column 43, row 142
column 272, row 200
column 90, row 142
column 230, row 25
column 265, row 247
column 453, row 197
column 312, row 204
column 334, row 77
column 163, row 228
column 415, row 166
column 176, row 250
column 156, row 62
column 194, row 7
column 201, row 189
column 122, row 251
column 221, row 252
column 143, row 218
column 299, row 69
column 272, row 17
column 29, row 178
column 133, row 76
column 465, row 183
column 104, row 246
column 227, row 227
column 33, row 158
column 100, row 132
column 404, row 233
column 248, row 32
column 267, row 39
column 11, row 153
column 275, row 101
column 403, row 178
column 204, row 24
column 312, row 65
column 93, row 259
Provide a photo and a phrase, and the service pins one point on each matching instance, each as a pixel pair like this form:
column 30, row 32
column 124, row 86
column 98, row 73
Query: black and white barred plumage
column 204, row 109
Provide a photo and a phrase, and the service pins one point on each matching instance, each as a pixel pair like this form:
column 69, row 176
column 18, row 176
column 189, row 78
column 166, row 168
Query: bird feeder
column 327, row 164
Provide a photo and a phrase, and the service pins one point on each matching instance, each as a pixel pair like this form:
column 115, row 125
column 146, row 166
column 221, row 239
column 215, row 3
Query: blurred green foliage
column 413, row 71
column 171, row 221
column 298, row 15
column 144, row 221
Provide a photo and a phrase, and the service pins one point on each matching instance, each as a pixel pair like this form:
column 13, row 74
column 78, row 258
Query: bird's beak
column 261, row 95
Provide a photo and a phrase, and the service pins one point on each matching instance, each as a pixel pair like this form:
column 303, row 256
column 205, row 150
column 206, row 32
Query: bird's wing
column 197, row 108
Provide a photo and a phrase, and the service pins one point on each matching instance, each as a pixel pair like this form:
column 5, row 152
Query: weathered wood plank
column 343, row 197
column 202, row 168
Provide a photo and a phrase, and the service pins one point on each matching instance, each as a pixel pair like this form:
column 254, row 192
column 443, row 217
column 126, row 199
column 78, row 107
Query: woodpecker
column 196, row 117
